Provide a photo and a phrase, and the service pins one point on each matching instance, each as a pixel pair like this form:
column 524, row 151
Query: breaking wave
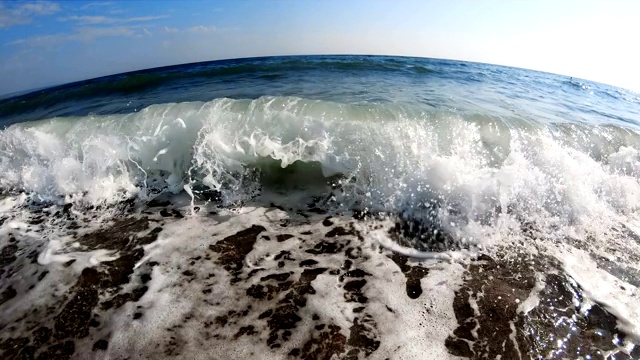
column 465, row 169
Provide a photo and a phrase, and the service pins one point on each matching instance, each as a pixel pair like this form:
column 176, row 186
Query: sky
column 44, row 43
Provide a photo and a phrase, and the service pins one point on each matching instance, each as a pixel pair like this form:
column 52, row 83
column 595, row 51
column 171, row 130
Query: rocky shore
column 268, row 283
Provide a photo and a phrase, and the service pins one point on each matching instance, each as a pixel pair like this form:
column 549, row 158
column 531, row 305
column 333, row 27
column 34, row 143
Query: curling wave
column 469, row 168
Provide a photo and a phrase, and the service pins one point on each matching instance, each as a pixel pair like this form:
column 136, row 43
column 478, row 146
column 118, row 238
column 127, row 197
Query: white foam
column 620, row 298
column 394, row 158
column 413, row 327
column 534, row 296
column 482, row 178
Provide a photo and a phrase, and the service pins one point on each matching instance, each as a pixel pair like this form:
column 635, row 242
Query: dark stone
column 41, row 335
column 355, row 285
column 458, row 347
column 284, row 316
column 245, row 330
column 363, row 334
column 233, row 249
column 268, row 291
column 222, row 320
column 119, row 235
column 326, row 247
column 425, row 234
column 265, row 314
column 100, row 345
column 346, row 265
column 283, row 237
column 60, row 351
column 8, row 255
column 278, row 207
column 28, row 352
column 308, row 262
column 284, row 254
column 353, row 253
column 158, row 203
column 358, row 273
column 120, row 299
column 339, row 231
column 69, row 263
column 498, row 287
column 12, row 347
column 73, row 319
column 8, row 294
column 325, row 345
column 277, row 277
column 353, row 291
column 413, row 274
column 327, row 221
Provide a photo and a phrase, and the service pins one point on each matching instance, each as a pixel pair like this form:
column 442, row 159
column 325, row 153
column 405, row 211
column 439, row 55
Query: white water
column 481, row 178
column 471, row 168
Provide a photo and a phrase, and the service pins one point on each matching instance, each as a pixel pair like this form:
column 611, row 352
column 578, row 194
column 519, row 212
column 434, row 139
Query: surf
column 471, row 169
column 420, row 195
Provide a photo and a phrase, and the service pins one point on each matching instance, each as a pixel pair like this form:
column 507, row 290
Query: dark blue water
column 423, row 83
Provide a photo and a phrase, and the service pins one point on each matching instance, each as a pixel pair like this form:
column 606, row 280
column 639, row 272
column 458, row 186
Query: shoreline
column 269, row 283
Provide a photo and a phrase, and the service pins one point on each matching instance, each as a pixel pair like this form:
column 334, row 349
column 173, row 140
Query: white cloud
column 97, row 4
column 39, row 8
column 84, row 34
column 24, row 12
column 202, row 29
column 102, row 20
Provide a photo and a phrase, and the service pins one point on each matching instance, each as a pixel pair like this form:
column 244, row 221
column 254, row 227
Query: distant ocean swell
column 148, row 80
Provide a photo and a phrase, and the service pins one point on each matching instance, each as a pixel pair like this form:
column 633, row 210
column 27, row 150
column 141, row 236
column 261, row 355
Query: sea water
column 459, row 169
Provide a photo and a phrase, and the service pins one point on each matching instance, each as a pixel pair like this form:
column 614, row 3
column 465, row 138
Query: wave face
column 467, row 170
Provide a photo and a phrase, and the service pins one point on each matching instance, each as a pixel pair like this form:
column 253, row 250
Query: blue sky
column 43, row 43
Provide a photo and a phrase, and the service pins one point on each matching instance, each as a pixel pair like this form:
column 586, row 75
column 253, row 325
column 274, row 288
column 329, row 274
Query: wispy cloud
column 194, row 29
column 103, row 20
column 202, row 29
column 97, row 4
column 21, row 13
column 84, row 34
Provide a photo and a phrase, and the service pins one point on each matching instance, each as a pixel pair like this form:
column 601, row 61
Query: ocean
column 329, row 207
